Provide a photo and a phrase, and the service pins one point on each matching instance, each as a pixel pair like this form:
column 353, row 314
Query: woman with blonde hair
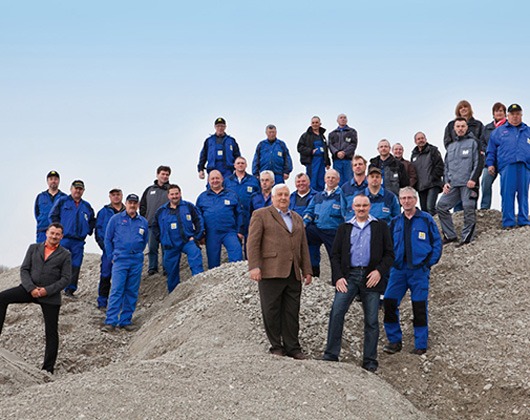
column 463, row 109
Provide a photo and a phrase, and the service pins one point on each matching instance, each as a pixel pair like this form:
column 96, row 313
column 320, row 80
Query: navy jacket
column 509, row 144
column 345, row 140
column 381, row 254
column 43, row 204
column 78, row 221
column 426, row 242
column 175, row 226
column 102, row 220
column 298, row 204
column 249, row 185
column 273, row 156
column 325, row 211
column 222, row 212
column 209, row 151
column 126, row 237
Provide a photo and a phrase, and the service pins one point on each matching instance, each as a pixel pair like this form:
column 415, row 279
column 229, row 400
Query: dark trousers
column 280, row 306
column 428, row 199
column 51, row 321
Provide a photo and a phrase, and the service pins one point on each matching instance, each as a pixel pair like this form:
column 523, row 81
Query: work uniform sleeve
column 156, row 225
column 287, row 162
column 350, row 148
column 309, row 213
column 55, row 212
column 203, row 157
column 100, row 231
column 255, row 162
column 36, row 209
column 109, row 238
column 198, row 223
column 91, row 221
column 478, row 163
column 436, row 243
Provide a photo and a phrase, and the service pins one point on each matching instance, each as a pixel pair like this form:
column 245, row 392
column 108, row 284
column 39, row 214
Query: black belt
column 358, row 268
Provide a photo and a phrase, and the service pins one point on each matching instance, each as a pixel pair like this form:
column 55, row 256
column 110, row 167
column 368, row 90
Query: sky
column 107, row 91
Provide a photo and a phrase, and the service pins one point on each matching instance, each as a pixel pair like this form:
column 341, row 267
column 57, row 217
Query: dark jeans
column 280, row 306
column 341, row 304
column 428, row 199
column 51, row 321
column 153, row 245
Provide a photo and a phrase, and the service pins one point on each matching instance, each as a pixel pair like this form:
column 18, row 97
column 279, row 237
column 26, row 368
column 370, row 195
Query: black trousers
column 51, row 321
column 280, row 307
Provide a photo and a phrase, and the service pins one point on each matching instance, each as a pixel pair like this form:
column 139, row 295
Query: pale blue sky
column 107, row 91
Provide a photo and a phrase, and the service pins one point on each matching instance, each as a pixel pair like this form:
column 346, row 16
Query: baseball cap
column 514, row 107
column 78, row 184
column 374, row 169
column 52, row 173
column 114, row 190
column 133, row 197
column 220, row 120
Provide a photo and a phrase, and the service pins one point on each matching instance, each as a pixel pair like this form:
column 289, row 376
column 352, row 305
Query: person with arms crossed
column 44, row 203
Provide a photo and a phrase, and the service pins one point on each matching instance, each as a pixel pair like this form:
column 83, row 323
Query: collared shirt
column 287, row 218
column 49, row 249
column 329, row 192
column 360, row 243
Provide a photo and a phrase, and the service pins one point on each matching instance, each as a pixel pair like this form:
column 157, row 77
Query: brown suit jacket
column 273, row 249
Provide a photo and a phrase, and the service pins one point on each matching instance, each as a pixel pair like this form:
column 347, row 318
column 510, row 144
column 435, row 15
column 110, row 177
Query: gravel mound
column 201, row 352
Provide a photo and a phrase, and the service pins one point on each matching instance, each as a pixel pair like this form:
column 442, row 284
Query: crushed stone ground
column 202, row 353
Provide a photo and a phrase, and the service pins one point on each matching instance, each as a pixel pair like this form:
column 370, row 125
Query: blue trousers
column 41, row 237
column 278, row 179
column 172, row 262
column 104, row 280
column 486, row 187
column 126, row 276
column 343, row 167
column 230, row 240
column 515, row 179
column 315, row 238
column 316, row 171
column 417, row 280
column 76, row 248
column 341, row 304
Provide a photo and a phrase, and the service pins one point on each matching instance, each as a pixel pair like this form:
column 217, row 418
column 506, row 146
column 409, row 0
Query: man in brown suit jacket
column 46, row 271
column 277, row 252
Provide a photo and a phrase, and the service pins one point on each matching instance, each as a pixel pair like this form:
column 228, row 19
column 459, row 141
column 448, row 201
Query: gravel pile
column 202, row 353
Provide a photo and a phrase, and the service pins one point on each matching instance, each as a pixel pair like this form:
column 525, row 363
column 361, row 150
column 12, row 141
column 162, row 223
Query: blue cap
column 133, row 197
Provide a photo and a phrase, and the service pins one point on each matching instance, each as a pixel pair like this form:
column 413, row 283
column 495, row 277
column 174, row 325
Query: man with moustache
column 77, row 218
column 356, row 185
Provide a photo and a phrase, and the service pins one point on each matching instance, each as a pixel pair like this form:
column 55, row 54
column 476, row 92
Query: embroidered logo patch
column 219, row 153
column 227, row 202
column 396, row 175
column 188, row 217
column 465, row 152
column 249, row 189
column 173, row 225
column 421, row 235
column 280, row 154
column 141, row 231
column 347, row 139
column 153, row 192
column 386, row 210
column 336, row 206
column 86, row 217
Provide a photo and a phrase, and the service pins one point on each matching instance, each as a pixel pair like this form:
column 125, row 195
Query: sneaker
column 151, row 272
column 129, row 327
column 108, row 328
column 392, row 348
column 419, row 352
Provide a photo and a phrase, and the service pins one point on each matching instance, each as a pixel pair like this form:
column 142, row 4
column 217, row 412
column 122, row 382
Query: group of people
column 364, row 213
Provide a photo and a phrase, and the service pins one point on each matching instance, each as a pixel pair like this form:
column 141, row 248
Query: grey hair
column 409, row 189
column 267, row 172
column 279, row 187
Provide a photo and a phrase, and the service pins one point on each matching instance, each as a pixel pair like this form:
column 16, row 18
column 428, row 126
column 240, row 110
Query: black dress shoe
column 392, row 348
column 278, row 352
column 419, row 352
column 446, row 241
column 299, row 356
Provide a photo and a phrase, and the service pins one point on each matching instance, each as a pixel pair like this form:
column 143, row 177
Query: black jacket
column 395, row 174
column 381, row 254
column 52, row 274
column 305, row 147
column 429, row 167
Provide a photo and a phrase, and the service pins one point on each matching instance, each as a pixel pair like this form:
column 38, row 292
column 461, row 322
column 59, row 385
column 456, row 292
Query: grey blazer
column 53, row 274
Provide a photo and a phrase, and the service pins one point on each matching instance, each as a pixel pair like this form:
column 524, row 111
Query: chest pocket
column 466, row 153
